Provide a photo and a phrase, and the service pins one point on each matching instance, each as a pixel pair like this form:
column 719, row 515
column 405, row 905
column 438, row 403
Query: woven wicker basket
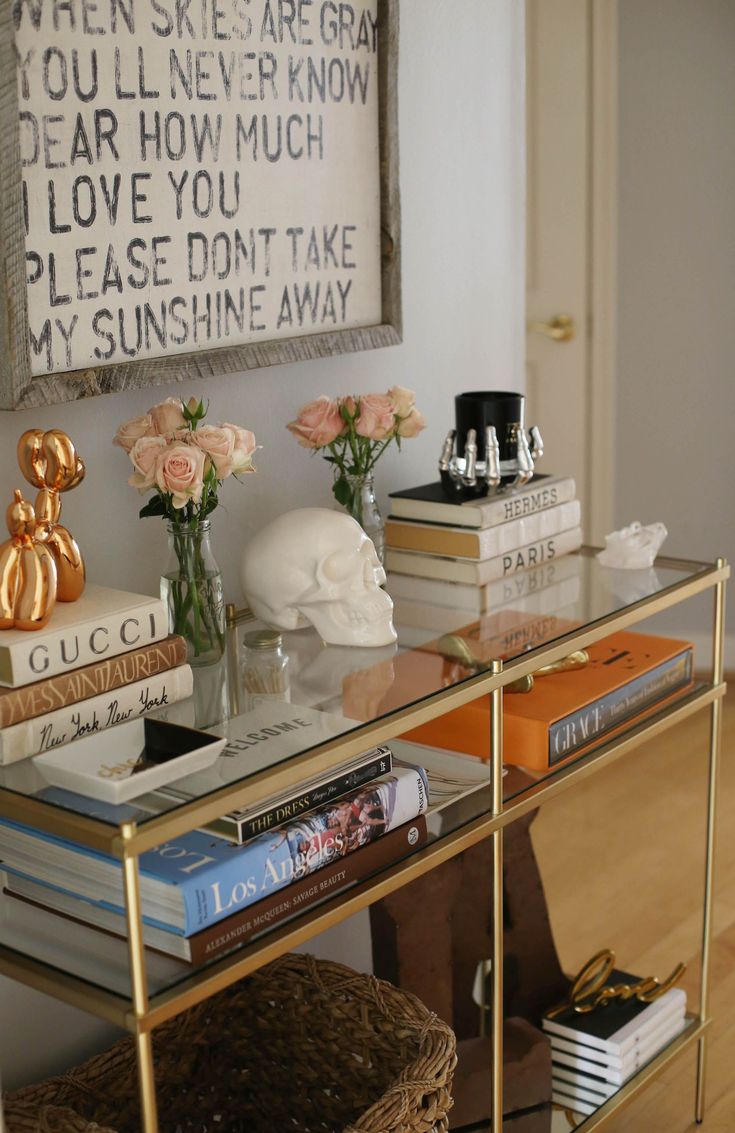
column 302, row 1045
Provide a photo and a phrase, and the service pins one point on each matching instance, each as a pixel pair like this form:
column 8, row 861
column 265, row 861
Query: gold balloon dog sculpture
column 27, row 572
column 41, row 561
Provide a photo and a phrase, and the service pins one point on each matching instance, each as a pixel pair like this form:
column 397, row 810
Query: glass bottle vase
column 363, row 507
column 192, row 588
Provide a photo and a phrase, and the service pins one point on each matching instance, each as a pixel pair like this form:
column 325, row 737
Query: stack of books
column 100, row 661
column 216, row 888
column 479, row 555
column 594, row 1054
column 203, row 894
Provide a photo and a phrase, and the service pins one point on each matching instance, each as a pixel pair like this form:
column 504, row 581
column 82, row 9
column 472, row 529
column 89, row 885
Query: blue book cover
column 199, row 879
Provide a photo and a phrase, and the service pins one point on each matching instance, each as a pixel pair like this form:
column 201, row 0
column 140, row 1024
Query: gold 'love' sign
column 590, row 988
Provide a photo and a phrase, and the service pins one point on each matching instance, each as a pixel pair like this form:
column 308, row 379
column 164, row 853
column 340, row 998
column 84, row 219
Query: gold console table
column 138, row 990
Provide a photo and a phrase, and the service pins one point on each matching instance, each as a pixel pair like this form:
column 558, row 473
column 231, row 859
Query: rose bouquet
column 184, row 463
column 352, row 433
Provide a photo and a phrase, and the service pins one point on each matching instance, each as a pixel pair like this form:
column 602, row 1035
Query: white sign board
column 195, row 174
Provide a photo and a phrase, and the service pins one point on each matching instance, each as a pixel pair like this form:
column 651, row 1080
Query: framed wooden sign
column 191, row 187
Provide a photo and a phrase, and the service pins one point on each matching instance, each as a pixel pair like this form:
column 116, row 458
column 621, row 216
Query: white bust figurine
column 316, row 566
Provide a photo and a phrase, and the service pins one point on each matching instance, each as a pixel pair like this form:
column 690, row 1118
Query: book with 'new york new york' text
column 43, row 734
column 101, row 624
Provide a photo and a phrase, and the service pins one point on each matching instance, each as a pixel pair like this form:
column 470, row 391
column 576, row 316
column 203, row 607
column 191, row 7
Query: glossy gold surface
column 28, row 577
column 50, row 462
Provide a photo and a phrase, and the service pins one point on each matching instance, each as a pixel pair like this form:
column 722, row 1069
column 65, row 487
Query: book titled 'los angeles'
column 242, row 926
column 198, row 880
column 102, row 623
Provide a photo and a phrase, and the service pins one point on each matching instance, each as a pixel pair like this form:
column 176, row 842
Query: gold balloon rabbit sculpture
column 49, row 461
column 27, row 571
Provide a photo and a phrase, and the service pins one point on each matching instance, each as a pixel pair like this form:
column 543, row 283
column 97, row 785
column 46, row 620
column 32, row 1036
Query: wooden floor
column 622, row 858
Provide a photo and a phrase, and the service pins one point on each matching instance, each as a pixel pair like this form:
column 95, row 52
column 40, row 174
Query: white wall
column 462, row 156
column 675, row 395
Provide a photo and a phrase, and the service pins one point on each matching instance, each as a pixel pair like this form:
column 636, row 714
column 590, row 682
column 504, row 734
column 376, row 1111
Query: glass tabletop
column 327, row 691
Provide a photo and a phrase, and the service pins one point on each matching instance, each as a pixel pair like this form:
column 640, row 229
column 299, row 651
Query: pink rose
column 218, row 443
column 402, row 399
column 411, row 425
column 180, row 471
column 318, row 423
column 376, row 420
column 168, row 416
column 144, row 455
column 132, row 430
column 243, row 449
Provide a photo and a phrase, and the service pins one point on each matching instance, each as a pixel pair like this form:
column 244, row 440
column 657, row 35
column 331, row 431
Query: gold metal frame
column 141, row 1013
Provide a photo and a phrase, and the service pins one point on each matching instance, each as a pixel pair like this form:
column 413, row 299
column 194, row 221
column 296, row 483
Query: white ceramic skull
column 316, row 566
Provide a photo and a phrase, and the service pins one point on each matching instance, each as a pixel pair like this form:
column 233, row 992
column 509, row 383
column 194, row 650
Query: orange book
column 567, row 713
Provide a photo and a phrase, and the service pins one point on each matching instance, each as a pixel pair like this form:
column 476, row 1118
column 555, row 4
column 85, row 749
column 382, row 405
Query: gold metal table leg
column 138, row 982
column 714, row 759
column 496, row 738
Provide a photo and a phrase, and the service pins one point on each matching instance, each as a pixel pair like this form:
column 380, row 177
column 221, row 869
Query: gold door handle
column 560, row 328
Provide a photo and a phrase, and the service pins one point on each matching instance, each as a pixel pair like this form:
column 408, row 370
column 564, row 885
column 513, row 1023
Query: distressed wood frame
column 20, row 390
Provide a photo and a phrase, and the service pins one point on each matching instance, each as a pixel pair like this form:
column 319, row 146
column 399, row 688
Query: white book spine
column 47, row 652
column 628, row 1066
column 588, row 1088
column 487, row 570
column 530, row 528
column 44, row 733
column 489, row 511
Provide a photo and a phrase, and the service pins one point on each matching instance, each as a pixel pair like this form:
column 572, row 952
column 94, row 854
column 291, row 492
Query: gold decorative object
column 576, row 660
column 457, row 648
column 49, row 461
column 28, row 583
column 589, row 990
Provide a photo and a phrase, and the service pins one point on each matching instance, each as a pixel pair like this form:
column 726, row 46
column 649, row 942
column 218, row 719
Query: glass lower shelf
column 570, row 1114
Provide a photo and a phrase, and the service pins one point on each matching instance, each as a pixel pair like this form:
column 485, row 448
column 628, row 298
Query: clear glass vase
column 192, row 588
column 363, row 507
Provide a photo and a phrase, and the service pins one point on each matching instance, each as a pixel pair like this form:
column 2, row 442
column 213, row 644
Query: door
column 570, row 235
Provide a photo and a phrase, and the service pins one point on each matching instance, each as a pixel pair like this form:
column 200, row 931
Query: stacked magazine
column 595, row 1053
